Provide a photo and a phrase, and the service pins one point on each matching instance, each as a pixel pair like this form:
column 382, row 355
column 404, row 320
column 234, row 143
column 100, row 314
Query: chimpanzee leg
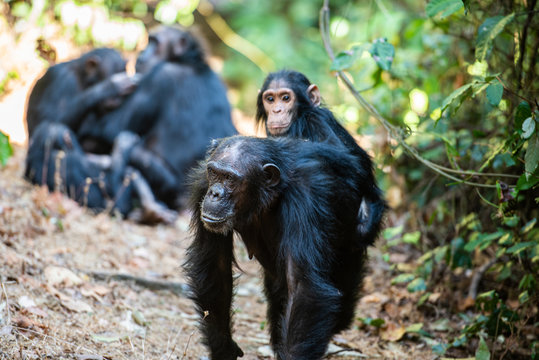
column 209, row 268
column 311, row 312
column 276, row 292
column 158, row 173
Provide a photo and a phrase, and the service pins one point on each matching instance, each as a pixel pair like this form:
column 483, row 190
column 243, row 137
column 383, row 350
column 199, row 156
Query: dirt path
column 51, row 308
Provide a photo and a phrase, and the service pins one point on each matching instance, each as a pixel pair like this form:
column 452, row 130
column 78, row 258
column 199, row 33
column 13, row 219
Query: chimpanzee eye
column 269, row 99
column 286, row 97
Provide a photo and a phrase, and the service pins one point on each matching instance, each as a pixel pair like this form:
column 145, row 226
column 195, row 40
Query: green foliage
column 6, row 151
column 446, row 7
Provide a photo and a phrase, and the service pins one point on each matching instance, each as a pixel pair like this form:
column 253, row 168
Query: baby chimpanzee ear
column 314, row 95
column 272, row 173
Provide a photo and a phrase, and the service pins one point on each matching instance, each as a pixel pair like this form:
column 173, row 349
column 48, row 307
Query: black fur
column 301, row 228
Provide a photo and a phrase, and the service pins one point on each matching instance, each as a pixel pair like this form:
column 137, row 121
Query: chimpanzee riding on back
column 290, row 105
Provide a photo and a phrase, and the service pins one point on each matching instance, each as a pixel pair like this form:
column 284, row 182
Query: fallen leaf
column 377, row 298
column 25, row 323
column 392, row 310
column 26, row 302
column 392, row 332
column 78, row 306
column 466, row 304
column 61, row 276
column 35, row 311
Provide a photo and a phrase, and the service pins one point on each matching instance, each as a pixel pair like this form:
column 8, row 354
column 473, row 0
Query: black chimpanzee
column 100, row 182
column 290, row 105
column 294, row 203
column 69, row 92
column 179, row 105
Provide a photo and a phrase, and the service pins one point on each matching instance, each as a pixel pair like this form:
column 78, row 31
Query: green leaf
column 532, row 155
column 346, row 59
column 391, row 232
column 448, row 7
column 414, row 328
column 511, row 221
column 523, row 183
column 412, row 238
column 373, row 322
column 383, row 53
column 518, row 248
column 528, row 127
column 6, row 151
column 523, row 112
column 523, row 297
column 402, row 278
column 461, row 94
column 487, row 32
column 417, row 285
column 482, row 352
column 529, row 225
column 494, row 93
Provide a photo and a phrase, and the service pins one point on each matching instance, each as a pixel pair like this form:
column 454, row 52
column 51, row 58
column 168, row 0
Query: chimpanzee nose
column 216, row 191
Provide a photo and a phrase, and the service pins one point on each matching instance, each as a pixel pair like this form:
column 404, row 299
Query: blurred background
column 454, row 82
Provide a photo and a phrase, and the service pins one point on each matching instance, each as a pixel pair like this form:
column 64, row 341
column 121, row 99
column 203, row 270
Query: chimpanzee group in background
column 172, row 107
column 304, row 200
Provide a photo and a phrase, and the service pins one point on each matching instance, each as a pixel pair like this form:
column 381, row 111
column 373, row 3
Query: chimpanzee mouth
column 212, row 220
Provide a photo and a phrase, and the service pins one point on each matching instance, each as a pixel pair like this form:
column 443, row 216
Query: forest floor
column 72, row 287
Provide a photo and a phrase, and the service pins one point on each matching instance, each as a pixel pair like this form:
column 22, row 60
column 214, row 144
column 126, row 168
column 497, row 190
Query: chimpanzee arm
column 117, row 85
column 209, row 270
column 158, row 173
column 210, row 261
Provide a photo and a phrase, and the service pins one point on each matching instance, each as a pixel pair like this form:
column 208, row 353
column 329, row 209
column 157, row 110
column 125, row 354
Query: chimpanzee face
column 235, row 181
column 165, row 44
column 279, row 103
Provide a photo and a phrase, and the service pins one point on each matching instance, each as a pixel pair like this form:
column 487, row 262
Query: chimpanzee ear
column 272, row 173
column 92, row 63
column 314, row 94
column 213, row 145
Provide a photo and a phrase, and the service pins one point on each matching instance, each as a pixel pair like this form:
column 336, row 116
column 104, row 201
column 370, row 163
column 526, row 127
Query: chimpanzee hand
column 124, row 84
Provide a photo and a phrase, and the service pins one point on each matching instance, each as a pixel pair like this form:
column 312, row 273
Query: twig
column 477, row 276
column 206, row 313
column 394, row 132
column 175, row 287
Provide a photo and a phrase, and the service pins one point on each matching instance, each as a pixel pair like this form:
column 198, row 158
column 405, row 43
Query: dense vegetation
column 448, row 95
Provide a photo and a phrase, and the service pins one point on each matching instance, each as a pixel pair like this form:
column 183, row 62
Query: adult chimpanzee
column 55, row 158
column 294, row 204
column 290, row 105
column 70, row 91
column 178, row 107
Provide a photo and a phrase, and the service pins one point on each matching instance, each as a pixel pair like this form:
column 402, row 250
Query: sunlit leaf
column 412, row 238
column 459, row 94
column 487, row 32
column 6, row 151
column 518, row 248
column 446, row 7
column 528, row 127
column 494, row 93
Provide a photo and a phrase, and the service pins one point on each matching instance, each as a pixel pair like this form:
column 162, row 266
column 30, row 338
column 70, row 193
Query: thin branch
column 175, row 287
column 394, row 132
